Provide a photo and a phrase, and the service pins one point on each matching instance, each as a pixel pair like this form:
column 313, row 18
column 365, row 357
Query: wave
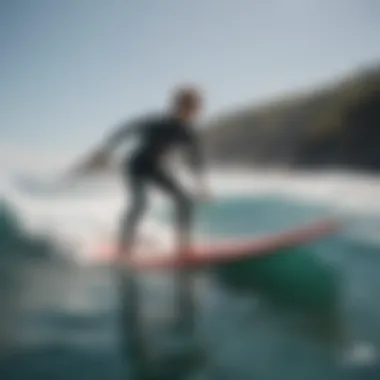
column 86, row 213
column 17, row 242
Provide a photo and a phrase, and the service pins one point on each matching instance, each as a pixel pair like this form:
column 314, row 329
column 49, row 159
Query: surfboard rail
column 201, row 256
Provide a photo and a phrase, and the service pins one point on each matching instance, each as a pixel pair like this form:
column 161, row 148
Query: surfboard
column 208, row 255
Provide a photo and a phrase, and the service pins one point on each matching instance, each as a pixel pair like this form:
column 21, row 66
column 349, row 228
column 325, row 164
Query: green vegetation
column 338, row 125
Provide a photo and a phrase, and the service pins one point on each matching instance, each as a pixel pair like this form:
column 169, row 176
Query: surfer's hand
column 96, row 162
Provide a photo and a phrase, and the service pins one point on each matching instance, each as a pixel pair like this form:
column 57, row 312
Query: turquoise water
column 71, row 329
column 244, row 216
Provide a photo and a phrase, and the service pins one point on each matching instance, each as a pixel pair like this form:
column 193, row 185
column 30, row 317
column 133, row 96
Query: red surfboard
column 201, row 256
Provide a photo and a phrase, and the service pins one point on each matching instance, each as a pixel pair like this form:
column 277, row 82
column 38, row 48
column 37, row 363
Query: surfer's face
column 193, row 110
column 188, row 103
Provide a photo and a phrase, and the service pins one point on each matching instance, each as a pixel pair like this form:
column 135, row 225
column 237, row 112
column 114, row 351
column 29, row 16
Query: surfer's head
column 187, row 102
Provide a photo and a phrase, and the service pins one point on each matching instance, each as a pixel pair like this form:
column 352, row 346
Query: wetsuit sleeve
column 123, row 132
column 195, row 152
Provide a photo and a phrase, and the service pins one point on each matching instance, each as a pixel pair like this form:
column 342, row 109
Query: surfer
column 146, row 166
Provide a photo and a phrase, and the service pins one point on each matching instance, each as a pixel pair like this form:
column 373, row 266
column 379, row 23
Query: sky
column 72, row 69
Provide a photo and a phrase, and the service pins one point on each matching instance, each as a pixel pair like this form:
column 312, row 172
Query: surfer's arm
column 196, row 161
column 194, row 155
column 120, row 134
column 100, row 157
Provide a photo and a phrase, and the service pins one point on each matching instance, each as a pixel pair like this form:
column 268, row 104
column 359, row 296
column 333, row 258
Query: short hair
column 186, row 96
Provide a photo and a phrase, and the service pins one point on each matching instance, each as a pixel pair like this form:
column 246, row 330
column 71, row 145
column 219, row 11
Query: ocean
column 64, row 319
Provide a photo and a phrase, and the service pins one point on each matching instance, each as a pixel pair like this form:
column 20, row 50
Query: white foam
column 93, row 216
column 360, row 354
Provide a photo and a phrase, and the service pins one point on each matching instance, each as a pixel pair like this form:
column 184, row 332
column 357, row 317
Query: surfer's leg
column 184, row 209
column 183, row 205
column 132, row 342
column 133, row 215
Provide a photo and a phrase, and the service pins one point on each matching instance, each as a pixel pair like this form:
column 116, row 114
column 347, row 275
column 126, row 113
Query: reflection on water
column 70, row 317
column 73, row 322
column 174, row 353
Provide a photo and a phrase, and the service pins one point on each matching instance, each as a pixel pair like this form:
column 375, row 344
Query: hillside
column 335, row 126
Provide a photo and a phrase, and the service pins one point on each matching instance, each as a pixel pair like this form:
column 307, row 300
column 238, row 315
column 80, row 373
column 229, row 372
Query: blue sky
column 70, row 69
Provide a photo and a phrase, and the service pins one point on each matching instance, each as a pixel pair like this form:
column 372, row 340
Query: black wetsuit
column 145, row 167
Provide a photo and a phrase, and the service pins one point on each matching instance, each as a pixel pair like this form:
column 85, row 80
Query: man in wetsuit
column 146, row 166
